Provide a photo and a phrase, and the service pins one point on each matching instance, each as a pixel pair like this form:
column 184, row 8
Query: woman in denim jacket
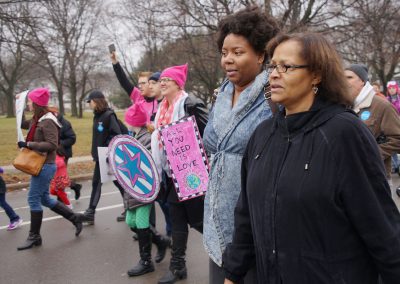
column 239, row 108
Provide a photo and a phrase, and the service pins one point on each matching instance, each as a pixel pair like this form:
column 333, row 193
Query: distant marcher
column 393, row 94
column 15, row 220
column 177, row 104
column 315, row 205
column 60, row 181
column 67, row 140
column 377, row 88
column 239, row 108
column 377, row 113
column 105, row 127
column 137, row 95
column 43, row 136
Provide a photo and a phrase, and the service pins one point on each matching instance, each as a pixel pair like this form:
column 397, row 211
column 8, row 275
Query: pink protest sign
column 186, row 157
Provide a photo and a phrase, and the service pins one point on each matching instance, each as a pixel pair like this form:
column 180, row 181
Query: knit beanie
column 40, row 96
column 155, row 76
column 360, row 70
column 176, row 73
column 393, row 84
column 136, row 116
column 1, row 170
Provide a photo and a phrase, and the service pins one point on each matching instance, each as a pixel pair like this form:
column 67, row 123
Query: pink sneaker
column 14, row 225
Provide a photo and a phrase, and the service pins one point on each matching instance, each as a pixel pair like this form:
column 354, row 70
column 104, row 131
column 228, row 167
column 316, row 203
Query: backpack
column 122, row 126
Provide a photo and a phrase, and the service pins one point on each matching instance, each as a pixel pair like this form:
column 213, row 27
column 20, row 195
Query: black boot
column 34, row 238
column 161, row 242
column 88, row 216
column 67, row 213
column 77, row 188
column 177, row 268
column 145, row 264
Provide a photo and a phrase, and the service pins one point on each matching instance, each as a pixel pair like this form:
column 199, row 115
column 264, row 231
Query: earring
column 315, row 89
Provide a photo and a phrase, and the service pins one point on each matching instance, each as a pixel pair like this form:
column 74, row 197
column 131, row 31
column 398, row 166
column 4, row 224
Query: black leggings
column 186, row 213
column 96, row 187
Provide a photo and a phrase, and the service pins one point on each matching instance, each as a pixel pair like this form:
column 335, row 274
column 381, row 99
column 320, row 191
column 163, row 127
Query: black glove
column 22, row 144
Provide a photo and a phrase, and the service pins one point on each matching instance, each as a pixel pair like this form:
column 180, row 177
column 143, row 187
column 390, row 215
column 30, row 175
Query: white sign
column 19, row 111
column 106, row 173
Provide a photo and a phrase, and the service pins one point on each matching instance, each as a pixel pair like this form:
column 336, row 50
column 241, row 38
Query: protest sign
column 19, row 111
column 186, row 157
column 134, row 168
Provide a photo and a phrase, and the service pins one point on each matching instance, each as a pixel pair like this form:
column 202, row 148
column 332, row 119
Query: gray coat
column 144, row 138
column 225, row 138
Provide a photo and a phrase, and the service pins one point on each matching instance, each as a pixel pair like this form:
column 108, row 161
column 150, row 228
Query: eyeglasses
column 165, row 80
column 283, row 68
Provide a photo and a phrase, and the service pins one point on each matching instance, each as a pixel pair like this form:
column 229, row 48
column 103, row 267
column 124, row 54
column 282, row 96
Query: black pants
column 217, row 275
column 96, row 187
column 186, row 213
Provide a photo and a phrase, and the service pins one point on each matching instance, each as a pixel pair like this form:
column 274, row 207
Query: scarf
column 167, row 110
column 362, row 95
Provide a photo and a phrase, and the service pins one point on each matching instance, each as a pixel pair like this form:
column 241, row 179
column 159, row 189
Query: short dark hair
column 257, row 27
column 323, row 60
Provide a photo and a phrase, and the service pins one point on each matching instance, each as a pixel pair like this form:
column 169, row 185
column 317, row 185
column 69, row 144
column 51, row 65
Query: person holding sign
column 176, row 105
column 239, row 108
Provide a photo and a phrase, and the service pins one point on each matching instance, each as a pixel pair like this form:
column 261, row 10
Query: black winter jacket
column 105, row 127
column 315, row 205
column 67, row 136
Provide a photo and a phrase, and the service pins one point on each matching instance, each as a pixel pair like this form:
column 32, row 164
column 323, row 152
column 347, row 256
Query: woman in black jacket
column 315, row 205
column 105, row 127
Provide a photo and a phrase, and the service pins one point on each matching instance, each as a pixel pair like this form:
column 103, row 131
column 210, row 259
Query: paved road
column 101, row 254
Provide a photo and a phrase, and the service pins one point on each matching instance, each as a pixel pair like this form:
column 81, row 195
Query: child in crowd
column 137, row 213
column 15, row 220
column 60, row 181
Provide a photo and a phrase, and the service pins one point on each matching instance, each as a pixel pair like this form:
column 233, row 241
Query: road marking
column 82, row 197
column 59, row 217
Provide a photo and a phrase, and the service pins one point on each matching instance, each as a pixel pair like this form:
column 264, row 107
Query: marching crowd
column 301, row 153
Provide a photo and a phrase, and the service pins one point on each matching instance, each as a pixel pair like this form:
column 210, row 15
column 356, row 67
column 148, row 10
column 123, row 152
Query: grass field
column 82, row 127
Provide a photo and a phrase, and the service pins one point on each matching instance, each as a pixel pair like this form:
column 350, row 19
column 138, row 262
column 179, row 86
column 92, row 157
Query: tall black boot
column 34, row 238
column 145, row 264
column 88, row 216
column 177, row 268
column 161, row 243
column 67, row 213
column 76, row 187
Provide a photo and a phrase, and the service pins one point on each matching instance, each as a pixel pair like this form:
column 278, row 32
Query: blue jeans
column 39, row 189
column 7, row 208
column 395, row 162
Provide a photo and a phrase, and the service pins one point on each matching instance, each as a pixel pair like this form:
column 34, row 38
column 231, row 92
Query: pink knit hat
column 176, row 73
column 40, row 96
column 136, row 116
column 393, row 84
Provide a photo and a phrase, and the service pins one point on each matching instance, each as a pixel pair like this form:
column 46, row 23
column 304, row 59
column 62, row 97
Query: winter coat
column 105, row 127
column 395, row 100
column 67, row 136
column 384, row 122
column 144, row 138
column 3, row 188
column 225, row 138
column 46, row 136
column 315, row 205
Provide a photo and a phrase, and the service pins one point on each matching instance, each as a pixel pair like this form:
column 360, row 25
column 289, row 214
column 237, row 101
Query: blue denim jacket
column 225, row 138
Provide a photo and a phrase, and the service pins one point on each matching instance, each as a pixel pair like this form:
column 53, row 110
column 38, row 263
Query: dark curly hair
column 253, row 24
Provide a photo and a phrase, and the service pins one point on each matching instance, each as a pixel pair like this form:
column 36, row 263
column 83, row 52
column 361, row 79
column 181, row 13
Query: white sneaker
column 14, row 225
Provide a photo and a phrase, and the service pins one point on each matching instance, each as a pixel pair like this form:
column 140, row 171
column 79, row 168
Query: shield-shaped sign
column 134, row 168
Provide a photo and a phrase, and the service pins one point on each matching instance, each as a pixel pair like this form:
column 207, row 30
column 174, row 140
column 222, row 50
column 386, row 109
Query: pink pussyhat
column 176, row 73
column 40, row 96
column 136, row 116
column 393, row 84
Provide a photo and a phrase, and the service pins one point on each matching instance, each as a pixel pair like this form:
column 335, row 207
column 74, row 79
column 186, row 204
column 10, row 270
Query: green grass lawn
column 82, row 127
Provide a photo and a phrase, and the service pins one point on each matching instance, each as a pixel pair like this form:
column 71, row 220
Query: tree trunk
column 10, row 102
